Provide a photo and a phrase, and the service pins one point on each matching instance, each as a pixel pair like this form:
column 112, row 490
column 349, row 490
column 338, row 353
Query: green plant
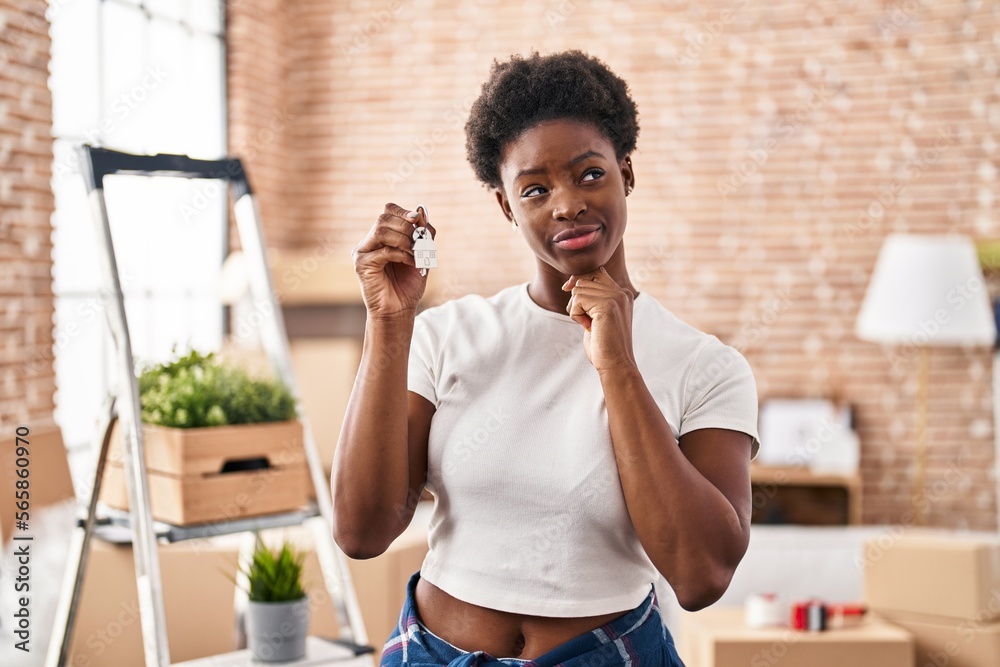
column 198, row 390
column 275, row 576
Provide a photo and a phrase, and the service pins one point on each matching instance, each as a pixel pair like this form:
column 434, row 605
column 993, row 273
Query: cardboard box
column 189, row 474
column 197, row 579
column 107, row 629
column 935, row 572
column 198, row 599
column 941, row 640
column 48, row 474
column 325, row 369
column 310, row 276
column 718, row 637
column 381, row 581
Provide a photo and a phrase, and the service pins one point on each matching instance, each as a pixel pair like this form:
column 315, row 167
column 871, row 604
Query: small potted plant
column 277, row 617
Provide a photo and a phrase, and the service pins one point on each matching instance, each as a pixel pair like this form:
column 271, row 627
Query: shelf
column 115, row 527
column 794, row 494
column 318, row 652
column 796, row 475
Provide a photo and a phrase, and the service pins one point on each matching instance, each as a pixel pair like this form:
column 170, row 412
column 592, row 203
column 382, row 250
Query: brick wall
column 780, row 143
column 27, row 376
column 259, row 108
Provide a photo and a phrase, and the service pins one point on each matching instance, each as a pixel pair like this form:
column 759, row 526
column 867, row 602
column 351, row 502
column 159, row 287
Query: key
column 424, row 250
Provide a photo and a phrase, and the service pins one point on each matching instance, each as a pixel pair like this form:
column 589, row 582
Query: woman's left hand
column 604, row 310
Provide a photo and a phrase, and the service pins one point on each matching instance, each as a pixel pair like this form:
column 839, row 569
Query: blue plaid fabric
column 637, row 639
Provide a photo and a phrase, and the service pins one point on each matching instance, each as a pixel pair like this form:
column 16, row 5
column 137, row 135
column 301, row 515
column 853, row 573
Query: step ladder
column 137, row 525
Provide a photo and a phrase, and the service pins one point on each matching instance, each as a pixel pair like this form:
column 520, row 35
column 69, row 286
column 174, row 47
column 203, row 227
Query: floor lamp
column 926, row 291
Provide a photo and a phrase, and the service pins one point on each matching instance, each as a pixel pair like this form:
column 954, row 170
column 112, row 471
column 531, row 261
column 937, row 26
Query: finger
column 378, row 232
column 575, row 279
column 400, row 212
column 382, row 256
column 578, row 310
column 578, row 313
column 401, row 225
column 385, row 236
column 599, row 275
column 593, row 288
column 394, row 238
column 602, row 276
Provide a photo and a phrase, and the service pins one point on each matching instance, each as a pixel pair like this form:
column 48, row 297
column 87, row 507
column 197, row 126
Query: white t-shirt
column 529, row 515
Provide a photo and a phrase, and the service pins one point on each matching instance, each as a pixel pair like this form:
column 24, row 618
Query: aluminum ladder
column 137, row 524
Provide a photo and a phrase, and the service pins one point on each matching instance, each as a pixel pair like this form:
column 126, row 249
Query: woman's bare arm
column 380, row 464
column 690, row 500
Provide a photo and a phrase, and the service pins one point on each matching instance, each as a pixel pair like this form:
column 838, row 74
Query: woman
column 577, row 437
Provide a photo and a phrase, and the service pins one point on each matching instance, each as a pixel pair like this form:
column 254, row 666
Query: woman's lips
column 579, row 242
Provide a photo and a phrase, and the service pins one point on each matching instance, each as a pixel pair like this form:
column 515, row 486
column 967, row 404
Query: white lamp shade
column 927, row 290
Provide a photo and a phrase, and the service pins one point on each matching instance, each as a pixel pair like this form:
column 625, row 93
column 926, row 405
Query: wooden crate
column 189, row 474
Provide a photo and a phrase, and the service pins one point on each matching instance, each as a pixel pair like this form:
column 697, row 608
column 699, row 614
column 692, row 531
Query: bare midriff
column 501, row 634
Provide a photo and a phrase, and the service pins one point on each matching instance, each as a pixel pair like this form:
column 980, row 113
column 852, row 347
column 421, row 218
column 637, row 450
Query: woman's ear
column 504, row 204
column 628, row 174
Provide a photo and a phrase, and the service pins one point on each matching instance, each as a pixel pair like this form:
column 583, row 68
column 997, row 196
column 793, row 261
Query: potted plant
column 277, row 617
column 219, row 443
column 198, row 390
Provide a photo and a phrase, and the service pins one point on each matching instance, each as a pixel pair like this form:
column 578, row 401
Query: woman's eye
column 533, row 188
column 596, row 173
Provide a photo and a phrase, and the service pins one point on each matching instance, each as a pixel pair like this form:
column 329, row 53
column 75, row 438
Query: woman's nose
column 568, row 205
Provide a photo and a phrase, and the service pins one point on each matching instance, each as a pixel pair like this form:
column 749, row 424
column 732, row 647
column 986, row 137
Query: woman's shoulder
column 662, row 323
column 680, row 343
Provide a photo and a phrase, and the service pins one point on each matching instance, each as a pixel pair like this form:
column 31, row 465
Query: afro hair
column 525, row 91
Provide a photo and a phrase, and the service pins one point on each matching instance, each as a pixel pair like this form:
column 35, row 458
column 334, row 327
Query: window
column 143, row 77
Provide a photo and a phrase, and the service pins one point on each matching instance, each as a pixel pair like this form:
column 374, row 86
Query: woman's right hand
column 391, row 283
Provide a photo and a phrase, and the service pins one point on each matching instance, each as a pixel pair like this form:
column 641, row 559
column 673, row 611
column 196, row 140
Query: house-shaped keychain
column 424, row 250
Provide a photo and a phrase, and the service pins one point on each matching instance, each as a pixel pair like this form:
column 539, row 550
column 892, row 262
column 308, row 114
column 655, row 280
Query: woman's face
column 566, row 189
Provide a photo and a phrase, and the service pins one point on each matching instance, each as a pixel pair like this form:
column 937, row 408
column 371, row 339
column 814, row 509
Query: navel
column 519, row 645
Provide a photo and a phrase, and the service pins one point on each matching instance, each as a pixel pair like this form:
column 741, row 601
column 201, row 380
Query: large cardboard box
column 198, row 596
column 325, row 369
column 941, row 640
column 381, row 581
column 718, row 637
column 200, row 475
column 198, row 599
column 197, row 580
column 48, row 474
column 107, row 624
column 935, row 572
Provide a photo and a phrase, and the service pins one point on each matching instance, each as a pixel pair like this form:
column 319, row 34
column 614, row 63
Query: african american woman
column 578, row 438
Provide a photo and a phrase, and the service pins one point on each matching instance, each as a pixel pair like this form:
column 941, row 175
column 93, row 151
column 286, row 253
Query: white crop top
column 529, row 515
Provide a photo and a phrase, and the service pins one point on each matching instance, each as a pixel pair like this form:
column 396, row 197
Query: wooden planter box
column 201, row 475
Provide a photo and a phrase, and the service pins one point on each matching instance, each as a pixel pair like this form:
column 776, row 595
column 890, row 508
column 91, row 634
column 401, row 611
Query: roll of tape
column 763, row 610
column 816, row 616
